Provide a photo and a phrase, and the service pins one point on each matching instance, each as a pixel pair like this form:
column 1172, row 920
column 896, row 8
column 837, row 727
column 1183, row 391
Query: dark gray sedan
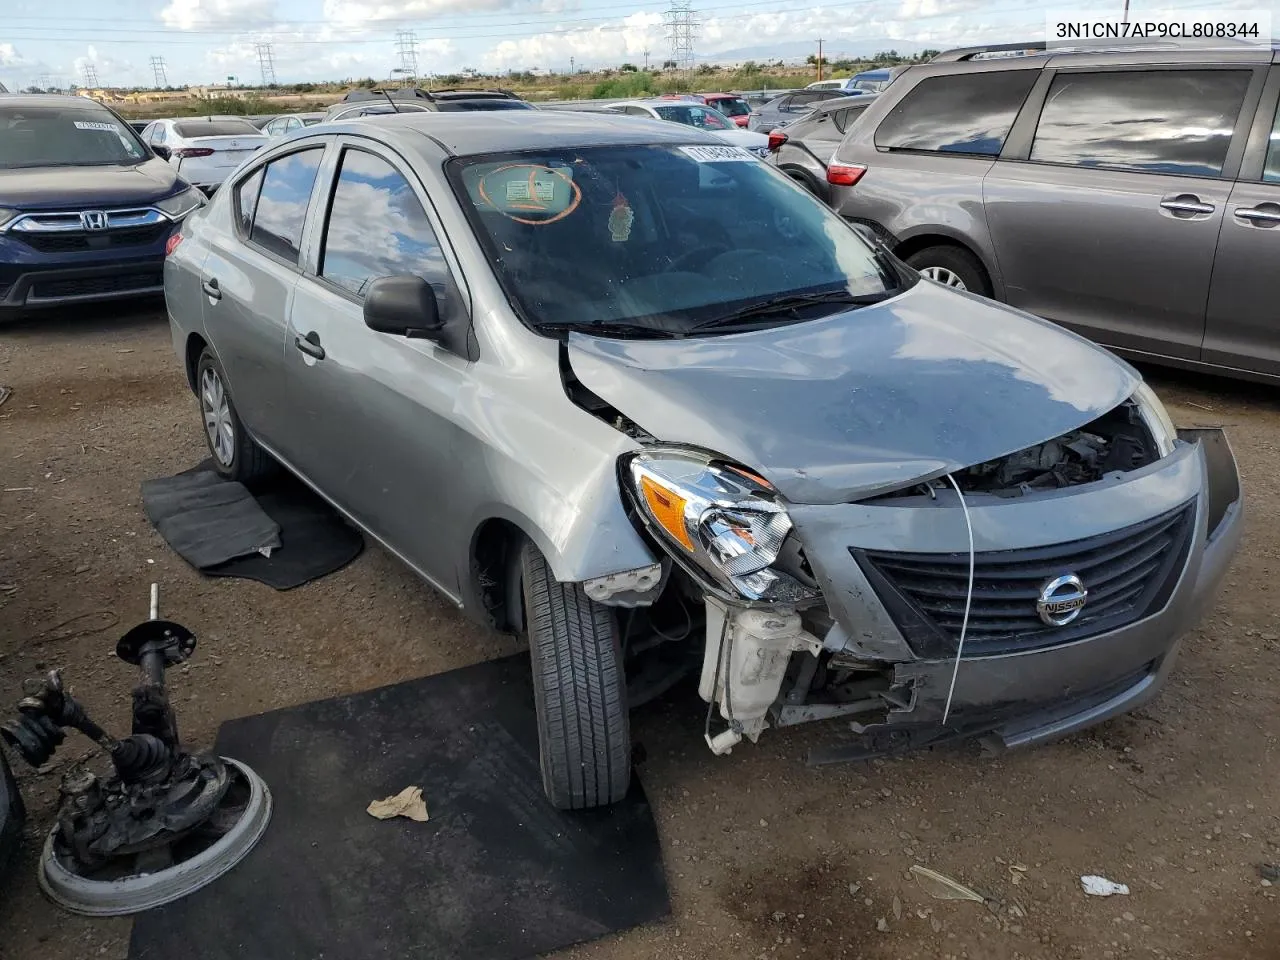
column 621, row 387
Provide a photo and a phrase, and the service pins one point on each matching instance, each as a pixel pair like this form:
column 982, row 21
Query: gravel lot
column 765, row 857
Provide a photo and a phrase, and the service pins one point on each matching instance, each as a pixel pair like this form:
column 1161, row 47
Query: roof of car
column 468, row 134
column 49, row 99
column 839, row 103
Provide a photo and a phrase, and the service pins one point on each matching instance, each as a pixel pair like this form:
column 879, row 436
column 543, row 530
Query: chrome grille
column 68, row 242
column 1128, row 573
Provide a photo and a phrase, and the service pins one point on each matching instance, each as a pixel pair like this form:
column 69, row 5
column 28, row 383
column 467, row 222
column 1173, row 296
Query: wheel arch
column 195, row 346
column 914, row 243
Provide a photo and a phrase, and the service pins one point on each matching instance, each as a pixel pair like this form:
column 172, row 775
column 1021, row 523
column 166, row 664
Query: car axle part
column 164, row 822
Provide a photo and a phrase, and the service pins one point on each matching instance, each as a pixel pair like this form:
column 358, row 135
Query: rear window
column 966, row 113
column 281, row 206
column 69, row 135
column 732, row 106
column 483, row 105
column 189, row 129
column 1159, row 121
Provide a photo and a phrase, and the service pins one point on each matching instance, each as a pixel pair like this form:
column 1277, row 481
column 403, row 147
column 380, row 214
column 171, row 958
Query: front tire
column 579, row 690
column 236, row 455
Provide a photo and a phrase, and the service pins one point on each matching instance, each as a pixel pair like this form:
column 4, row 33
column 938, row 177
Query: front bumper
column 1027, row 697
column 32, row 278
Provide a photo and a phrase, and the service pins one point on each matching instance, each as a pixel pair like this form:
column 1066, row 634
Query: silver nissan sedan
column 626, row 390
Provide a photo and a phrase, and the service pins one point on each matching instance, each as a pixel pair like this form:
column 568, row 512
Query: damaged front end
column 855, row 610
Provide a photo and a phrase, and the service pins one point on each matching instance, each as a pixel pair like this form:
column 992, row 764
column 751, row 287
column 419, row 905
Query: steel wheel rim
column 948, row 278
column 216, row 408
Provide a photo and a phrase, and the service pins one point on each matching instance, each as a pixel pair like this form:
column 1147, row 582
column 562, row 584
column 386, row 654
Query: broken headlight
column 718, row 520
column 1156, row 419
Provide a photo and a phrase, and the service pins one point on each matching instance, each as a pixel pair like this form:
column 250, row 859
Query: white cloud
column 365, row 11
column 627, row 39
column 189, row 14
column 10, row 57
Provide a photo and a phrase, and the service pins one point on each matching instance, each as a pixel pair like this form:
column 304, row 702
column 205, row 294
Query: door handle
column 310, row 345
column 1263, row 218
column 211, row 289
column 1187, row 204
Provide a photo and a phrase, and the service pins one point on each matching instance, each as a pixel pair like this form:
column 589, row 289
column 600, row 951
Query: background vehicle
column 364, row 103
column 1132, row 195
column 655, row 466
column 804, row 148
column 731, row 105
column 204, row 149
column 85, row 207
column 698, row 116
column 791, row 106
column 288, row 123
column 868, row 81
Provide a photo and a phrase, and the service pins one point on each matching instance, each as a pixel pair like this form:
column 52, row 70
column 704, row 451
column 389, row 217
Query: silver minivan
column 630, row 392
column 1132, row 195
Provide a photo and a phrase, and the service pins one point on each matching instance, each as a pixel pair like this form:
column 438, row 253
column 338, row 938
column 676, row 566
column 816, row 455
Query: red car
column 730, row 104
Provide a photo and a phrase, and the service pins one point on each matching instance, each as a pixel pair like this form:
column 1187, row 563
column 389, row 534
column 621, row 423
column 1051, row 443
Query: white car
column 693, row 114
column 204, row 150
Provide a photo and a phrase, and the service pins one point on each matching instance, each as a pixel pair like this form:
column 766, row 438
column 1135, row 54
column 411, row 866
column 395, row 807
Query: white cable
column 968, row 600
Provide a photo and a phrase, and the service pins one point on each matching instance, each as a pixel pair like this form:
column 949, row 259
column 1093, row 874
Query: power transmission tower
column 646, row 61
column 90, row 76
column 682, row 29
column 46, row 81
column 267, row 63
column 407, row 47
column 157, row 67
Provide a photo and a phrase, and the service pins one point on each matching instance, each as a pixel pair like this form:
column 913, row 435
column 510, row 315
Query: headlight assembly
column 7, row 214
column 1156, row 418
column 718, row 520
column 180, row 204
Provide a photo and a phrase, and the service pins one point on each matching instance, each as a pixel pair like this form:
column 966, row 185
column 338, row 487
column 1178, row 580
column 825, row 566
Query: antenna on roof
column 394, row 108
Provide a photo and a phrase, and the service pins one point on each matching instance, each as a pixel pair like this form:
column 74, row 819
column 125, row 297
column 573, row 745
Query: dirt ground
column 765, row 857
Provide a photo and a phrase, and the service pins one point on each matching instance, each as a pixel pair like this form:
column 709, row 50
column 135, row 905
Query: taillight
column 776, row 140
column 844, row 174
column 172, row 244
column 187, row 153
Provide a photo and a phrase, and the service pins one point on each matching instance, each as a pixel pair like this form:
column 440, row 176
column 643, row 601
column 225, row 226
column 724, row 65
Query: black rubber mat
column 314, row 539
column 496, row 873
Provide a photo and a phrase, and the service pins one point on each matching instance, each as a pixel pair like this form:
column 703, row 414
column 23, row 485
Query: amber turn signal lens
column 668, row 509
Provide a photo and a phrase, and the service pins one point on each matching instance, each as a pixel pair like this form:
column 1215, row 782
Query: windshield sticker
column 95, row 125
column 718, row 154
column 530, row 193
column 621, row 218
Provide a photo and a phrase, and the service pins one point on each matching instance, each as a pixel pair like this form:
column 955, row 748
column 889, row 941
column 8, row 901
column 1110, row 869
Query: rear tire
column 579, row 690
column 236, row 455
column 952, row 266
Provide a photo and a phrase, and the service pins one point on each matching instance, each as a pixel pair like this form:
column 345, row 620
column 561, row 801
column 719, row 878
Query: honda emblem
column 93, row 220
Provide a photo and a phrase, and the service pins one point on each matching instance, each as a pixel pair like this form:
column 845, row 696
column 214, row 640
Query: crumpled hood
column 866, row 400
column 92, row 187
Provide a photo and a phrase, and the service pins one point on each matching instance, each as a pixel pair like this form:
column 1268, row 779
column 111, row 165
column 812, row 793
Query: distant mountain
column 799, row 49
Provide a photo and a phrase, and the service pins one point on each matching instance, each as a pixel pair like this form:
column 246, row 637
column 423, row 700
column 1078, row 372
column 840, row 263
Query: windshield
column 190, row 129
column 870, row 86
column 64, row 136
column 732, row 106
column 661, row 237
column 482, row 104
column 704, row 118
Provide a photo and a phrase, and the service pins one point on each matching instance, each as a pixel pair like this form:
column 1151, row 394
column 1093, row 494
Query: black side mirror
column 160, row 151
column 402, row 306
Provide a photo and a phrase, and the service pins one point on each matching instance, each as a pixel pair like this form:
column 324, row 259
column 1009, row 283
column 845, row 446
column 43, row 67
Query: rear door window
column 1157, row 121
column 963, row 113
column 281, row 209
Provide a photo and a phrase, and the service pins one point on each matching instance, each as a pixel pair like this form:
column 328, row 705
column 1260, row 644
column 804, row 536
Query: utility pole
column 819, row 58
column 1126, row 11
column 266, row 62
column 407, row 47
column 572, row 70
column 157, row 67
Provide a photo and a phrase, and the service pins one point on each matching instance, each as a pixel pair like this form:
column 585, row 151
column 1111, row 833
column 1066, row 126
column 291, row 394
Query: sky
column 207, row 41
